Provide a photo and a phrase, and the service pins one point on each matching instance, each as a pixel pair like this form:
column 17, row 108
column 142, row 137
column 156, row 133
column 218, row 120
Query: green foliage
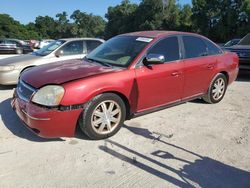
column 46, row 27
column 9, row 28
column 220, row 20
column 186, row 18
column 120, row 19
column 87, row 25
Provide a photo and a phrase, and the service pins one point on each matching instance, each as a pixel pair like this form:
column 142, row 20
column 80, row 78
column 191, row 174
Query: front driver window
column 73, row 48
column 168, row 47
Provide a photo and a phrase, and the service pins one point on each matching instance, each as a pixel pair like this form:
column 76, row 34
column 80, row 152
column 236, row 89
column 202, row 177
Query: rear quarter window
column 212, row 49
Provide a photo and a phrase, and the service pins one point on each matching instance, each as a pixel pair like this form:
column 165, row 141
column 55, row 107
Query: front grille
column 24, row 91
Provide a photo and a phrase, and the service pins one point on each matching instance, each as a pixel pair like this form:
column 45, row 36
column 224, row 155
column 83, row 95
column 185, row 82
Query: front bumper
column 46, row 123
column 9, row 77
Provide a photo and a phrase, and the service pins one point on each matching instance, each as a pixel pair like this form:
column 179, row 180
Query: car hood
column 61, row 72
column 18, row 59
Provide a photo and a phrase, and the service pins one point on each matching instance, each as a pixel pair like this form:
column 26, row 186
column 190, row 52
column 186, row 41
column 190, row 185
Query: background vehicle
column 127, row 76
column 33, row 43
column 231, row 43
column 243, row 51
column 14, row 46
column 60, row 50
column 43, row 43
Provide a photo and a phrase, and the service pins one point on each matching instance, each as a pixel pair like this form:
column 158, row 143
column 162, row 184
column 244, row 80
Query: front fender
column 83, row 90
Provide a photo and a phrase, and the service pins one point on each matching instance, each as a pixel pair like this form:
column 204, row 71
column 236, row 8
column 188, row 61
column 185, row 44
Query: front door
column 160, row 84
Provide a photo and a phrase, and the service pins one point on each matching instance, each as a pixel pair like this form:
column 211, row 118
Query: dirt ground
column 190, row 145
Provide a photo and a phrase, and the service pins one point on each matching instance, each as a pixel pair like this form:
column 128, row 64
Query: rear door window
column 73, row 48
column 169, row 47
column 194, row 47
column 92, row 44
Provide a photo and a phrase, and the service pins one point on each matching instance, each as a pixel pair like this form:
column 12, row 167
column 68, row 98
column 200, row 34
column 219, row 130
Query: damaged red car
column 129, row 75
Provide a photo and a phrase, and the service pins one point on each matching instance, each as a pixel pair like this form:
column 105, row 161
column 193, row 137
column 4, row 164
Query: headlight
column 7, row 68
column 50, row 95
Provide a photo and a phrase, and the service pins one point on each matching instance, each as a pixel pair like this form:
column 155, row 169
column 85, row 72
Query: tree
column 45, row 26
column 87, row 25
column 63, row 27
column 120, row 18
column 149, row 15
column 220, row 19
column 10, row 28
column 186, row 18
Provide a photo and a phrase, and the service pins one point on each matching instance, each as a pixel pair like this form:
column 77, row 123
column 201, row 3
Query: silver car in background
column 59, row 50
column 44, row 43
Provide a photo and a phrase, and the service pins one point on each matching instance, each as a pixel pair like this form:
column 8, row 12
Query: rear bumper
column 46, row 123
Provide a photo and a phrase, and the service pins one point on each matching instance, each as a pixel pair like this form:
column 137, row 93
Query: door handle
column 176, row 73
column 210, row 66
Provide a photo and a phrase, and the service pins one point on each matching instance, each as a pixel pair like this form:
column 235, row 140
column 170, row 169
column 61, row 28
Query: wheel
column 217, row 89
column 103, row 116
column 19, row 51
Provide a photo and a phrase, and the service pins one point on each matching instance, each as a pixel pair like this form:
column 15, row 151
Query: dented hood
column 61, row 72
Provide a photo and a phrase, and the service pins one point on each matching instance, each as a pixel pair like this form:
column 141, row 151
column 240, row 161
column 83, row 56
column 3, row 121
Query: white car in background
column 59, row 50
column 43, row 43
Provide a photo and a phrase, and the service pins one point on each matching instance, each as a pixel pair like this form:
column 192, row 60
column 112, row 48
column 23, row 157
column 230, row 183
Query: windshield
column 46, row 50
column 245, row 40
column 232, row 42
column 119, row 51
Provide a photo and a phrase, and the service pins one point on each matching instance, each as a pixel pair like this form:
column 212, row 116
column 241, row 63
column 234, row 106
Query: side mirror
column 59, row 53
column 152, row 59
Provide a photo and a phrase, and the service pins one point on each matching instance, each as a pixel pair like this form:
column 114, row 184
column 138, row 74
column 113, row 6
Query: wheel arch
column 24, row 69
column 124, row 99
column 226, row 74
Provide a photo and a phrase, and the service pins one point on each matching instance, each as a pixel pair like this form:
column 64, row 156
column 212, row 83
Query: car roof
column 10, row 39
column 156, row 34
column 73, row 39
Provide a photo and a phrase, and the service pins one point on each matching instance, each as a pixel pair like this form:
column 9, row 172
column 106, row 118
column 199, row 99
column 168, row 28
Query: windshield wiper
column 97, row 61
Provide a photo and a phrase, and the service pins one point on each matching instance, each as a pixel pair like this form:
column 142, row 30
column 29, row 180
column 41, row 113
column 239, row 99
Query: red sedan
column 128, row 76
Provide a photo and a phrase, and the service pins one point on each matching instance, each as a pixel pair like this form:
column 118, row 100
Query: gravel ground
column 190, row 145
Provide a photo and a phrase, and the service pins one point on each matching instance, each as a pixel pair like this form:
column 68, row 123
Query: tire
column 19, row 51
column 217, row 89
column 97, row 123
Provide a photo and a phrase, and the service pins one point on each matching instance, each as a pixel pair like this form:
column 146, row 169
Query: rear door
column 198, row 66
column 160, row 84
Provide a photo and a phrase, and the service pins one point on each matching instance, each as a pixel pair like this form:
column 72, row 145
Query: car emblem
column 20, row 89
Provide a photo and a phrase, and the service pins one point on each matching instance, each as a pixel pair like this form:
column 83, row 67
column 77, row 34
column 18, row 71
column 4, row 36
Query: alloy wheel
column 106, row 117
column 218, row 88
